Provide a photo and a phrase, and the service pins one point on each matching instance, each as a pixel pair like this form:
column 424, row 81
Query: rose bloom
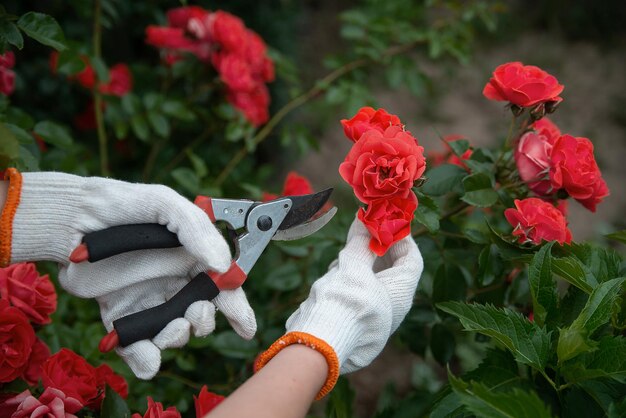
column 253, row 104
column 70, row 373
column 535, row 221
column 180, row 17
column 522, row 85
column 575, row 170
column 206, row 401
column 52, row 403
column 547, row 128
column 383, row 164
column 16, row 342
column 533, row 159
column 7, row 76
column 228, row 31
column 38, row 356
column 120, row 81
column 31, row 293
column 155, row 410
column 294, row 185
column 106, row 376
column 366, row 119
column 388, row 221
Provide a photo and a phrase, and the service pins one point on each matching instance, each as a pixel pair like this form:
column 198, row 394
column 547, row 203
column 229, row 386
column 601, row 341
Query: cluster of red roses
column 381, row 167
column 7, row 76
column 238, row 54
column 554, row 165
column 204, row 403
column 120, row 83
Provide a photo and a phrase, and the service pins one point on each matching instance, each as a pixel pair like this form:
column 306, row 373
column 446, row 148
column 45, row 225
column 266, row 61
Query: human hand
column 353, row 309
column 56, row 210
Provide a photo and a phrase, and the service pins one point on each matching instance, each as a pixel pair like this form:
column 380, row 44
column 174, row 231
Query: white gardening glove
column 56, row 210
column 353, row 309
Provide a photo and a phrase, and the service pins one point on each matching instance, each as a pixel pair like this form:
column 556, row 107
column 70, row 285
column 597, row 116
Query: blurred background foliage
column 331, row 58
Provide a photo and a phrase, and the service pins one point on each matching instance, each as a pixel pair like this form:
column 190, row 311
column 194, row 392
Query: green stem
column 151, row 160
column 319, row 87
column 97, row 97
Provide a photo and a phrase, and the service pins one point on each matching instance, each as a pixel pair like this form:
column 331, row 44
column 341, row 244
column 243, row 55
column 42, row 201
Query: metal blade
column 303, row 207
column 306, row 228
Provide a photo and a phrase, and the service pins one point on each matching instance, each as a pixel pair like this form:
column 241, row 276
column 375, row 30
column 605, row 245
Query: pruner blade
column 305, row 229
column 304, row 207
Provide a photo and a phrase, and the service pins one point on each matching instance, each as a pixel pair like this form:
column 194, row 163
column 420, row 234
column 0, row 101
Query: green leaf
column 27, row 160
column 575, row 272
column 159, row 124
column 113, row 406
column 497, row 369
column 69, row 63
column 140, row 126
column 602, row 263
column 427, row 213
column 618, row 236
column 542, row 285
column 459, row 146
column 284, row 278
column 479, row 190
column 485, row 403
column 449, row 284
column 529, row 343
column 187, row 178
column 443, row 179
column 608, row 360
column 9, row 146
column 198, row 164
column 489, row 265
column 102, row 72
column 340, row 400
column 54, row 134
column 229, row 344
column 11, row 34
column 442, row 343
column 178, row 110
column 43, row 28
column 600, row 306
column 131, row 104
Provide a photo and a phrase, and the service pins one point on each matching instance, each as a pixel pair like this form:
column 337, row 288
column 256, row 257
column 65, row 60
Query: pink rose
column 532, row 157
column 52, row 403
column 535, row 221
column 522, row 85
column 575, row 170
column 382, row 165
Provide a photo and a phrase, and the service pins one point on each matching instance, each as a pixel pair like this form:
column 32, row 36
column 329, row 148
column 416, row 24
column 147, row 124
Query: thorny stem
column 97, row 97
column 319, row 87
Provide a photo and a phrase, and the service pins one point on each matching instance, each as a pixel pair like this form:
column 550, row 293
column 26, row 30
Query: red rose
column 120, row 81
column 31, row 293
column 228, row 31
column 7, row 76
column 254, row 104
column 256, row 55
column 52, row 403
column 388, row 221
column 16, row 341
column 106, row 376
column 175, row 39
column 235, row 72
column 532, row 157
column 535, row 220
column 70, row 373
column 296, row 185
column 522, row 85
column 7, row 59
column 383, row 164
column 155, row 410
column 574, row 169
column 547, row 128
column 87, row 77
column 366, row 119
column 562, row 205
column 38, row 356
column 180, row 16
column 206, row 401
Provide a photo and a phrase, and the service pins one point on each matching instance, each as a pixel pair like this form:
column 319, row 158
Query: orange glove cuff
column 312, row 342
column 6, row 219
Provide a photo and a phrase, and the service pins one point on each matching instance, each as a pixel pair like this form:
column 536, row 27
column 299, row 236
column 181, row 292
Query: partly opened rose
column 533, row 160
column 70, row 373
column 206, row 401
column 16, row 342
column 522, row 85
column 106, row 376
column 388, row 221
column 24, row 288
column 52, row 403
column 383, row 165
column 535, row 220
column 155, row 410
column 38, row 356
column 366, row 119
column 574, row 169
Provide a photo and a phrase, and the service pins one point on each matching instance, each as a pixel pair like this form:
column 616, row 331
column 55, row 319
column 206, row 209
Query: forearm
column 284, row 388
column 4, row 187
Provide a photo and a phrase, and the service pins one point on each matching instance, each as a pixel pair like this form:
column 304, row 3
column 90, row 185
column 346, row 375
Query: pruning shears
column 282, row 219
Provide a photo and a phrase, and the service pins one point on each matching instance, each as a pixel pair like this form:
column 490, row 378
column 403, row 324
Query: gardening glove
column 47, row 214
column 353, row 309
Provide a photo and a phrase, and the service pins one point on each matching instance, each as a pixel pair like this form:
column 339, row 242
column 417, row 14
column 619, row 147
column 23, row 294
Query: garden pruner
column 285, row 218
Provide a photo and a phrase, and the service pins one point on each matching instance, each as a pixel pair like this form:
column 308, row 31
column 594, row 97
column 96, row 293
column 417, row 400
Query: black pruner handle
column 123, row 238
column 147, row 324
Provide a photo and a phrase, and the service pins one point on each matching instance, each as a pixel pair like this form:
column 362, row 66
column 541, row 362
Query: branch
column 319, row 87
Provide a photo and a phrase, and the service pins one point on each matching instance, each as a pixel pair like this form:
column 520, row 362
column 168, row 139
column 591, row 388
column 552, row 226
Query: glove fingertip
column 143, row 358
